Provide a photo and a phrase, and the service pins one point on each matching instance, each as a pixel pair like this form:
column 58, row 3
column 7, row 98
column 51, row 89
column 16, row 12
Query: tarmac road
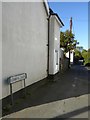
column 67, row 97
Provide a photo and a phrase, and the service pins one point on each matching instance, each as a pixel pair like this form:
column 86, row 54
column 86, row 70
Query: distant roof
column 52, row 13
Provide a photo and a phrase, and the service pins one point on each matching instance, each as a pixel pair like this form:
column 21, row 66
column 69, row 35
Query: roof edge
column 46, row 6
column 52, row 13
column 58, row 18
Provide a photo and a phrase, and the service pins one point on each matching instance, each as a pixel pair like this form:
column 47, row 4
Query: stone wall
column 64, row 64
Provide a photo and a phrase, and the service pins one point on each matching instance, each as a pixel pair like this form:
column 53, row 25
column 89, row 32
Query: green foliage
column 80, row 48
column 78, row 54
column 67, row 41
column 86, row 56
column 84, row 53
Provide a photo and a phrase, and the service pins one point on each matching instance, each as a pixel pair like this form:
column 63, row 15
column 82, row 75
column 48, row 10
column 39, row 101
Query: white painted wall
column 67, row 54
column 54, row 45
column 25, row 36
column 71, row 56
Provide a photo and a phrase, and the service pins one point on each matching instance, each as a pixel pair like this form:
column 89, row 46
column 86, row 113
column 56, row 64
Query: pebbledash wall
column 24, row 42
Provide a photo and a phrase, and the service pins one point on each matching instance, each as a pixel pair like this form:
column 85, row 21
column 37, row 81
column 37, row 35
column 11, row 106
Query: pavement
column 67, row 108
column 66, row 97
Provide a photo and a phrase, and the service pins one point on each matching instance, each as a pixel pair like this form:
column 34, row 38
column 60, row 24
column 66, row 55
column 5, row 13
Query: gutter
column 52, row 13
column 48, row 45
column 49, row 13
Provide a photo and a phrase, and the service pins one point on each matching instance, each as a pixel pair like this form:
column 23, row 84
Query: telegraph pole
column 70, row 37
column 71, row 25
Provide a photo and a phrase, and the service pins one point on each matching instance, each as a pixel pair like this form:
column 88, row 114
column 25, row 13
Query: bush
column 87, row 64
column 87, row 58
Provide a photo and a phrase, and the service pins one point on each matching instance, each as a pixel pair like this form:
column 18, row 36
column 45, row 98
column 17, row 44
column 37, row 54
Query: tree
column 78, row 54
column 86, row 56
column 67, row 41
column 84, row 53
column 80, row 48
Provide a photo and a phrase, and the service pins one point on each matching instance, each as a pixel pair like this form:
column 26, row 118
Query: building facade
column 25, row 42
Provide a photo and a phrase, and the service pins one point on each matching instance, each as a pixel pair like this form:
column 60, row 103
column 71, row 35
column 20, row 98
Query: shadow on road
column 73, row 113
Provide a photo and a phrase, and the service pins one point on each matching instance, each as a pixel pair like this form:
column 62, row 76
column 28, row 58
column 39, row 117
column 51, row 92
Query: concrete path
column 65, row 98
column 72, row 108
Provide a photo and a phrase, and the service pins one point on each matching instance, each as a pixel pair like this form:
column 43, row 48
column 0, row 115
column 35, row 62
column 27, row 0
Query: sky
column 79, row 13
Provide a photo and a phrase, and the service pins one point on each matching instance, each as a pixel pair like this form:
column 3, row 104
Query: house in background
column 30, row 42
column 55, row 24
column 71, row 56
